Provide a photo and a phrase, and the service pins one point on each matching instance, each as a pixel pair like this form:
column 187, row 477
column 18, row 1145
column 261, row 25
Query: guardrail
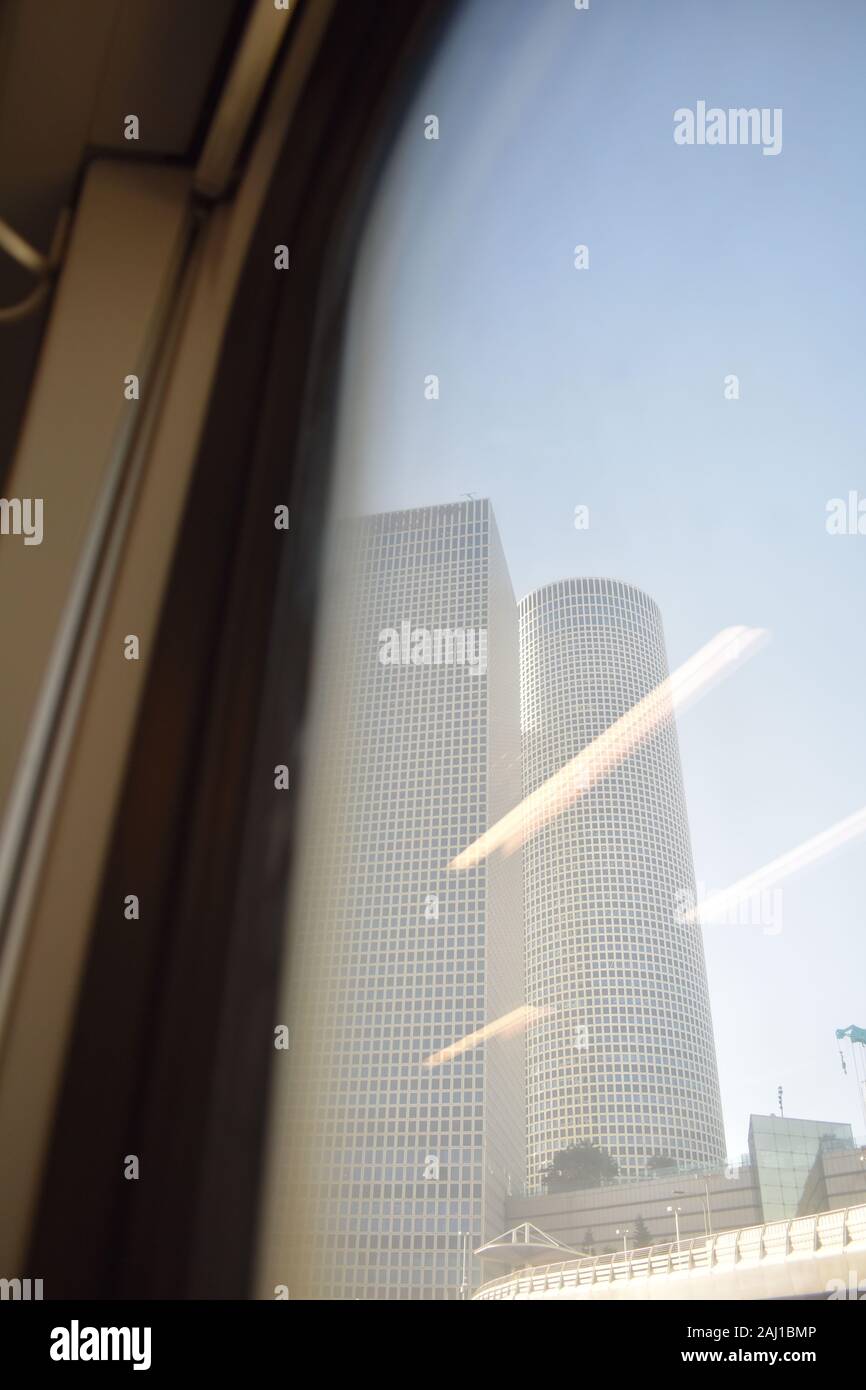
column 804, row 1235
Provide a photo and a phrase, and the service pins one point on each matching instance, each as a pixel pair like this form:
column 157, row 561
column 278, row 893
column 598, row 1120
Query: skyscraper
column 383, row 1162
column 625, row 1056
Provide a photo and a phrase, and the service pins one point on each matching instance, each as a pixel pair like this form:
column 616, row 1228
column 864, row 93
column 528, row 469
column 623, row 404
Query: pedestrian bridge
column 812, row 1256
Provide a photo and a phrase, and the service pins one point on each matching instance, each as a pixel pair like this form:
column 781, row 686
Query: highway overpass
column 812, row 1256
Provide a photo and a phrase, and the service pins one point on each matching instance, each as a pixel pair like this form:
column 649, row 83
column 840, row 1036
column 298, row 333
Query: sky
column 605, row 387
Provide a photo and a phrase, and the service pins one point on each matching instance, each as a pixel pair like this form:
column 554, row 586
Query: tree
column 641, row 1234
column 661, row 1162
column 581, row 1165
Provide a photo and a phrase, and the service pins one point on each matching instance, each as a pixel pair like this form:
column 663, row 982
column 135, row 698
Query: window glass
column 581, row 868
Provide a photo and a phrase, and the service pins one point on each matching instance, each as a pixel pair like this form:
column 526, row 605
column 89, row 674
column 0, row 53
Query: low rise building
column 793, row 1168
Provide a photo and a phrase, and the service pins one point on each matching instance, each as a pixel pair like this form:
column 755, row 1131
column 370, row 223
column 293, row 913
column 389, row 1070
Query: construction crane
column 858, row 1057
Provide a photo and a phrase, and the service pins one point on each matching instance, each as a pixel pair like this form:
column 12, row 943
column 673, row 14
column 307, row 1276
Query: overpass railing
column 803, row 1235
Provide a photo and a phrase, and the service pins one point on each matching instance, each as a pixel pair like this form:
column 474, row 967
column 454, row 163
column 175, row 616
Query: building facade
column 625, row 1056
column 392, row 1154
column 838, row 1178
column 794, row 1168
column 787, row 1155
column 602, row 1220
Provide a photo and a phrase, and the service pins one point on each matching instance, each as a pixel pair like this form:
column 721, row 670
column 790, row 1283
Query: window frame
column 172, row 1045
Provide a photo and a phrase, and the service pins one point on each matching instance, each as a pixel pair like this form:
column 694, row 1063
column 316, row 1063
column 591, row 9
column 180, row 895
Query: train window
column 575, row 758
column 459, row 897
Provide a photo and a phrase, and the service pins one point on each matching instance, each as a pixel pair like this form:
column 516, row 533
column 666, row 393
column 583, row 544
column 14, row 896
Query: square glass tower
column 384, row 1163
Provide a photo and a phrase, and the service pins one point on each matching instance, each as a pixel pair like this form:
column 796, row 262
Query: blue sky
column 605, row 387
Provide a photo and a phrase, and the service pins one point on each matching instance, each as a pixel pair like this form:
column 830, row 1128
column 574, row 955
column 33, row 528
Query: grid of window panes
column 783, row 1152
column 624, row 1056
column 385, row 1159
